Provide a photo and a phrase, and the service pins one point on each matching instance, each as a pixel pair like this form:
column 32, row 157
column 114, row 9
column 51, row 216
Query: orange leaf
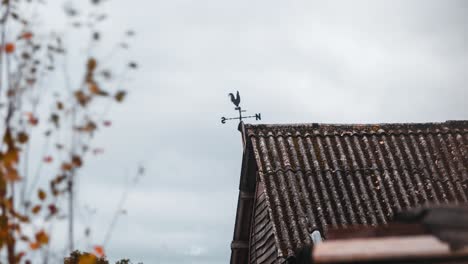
column 34, row 245
column 27, row 35
column 99, row 250
column 42, row 237
column 41, row 194
column 11, row 158
column 9, row 48
column 93, row 88
column 36, row 209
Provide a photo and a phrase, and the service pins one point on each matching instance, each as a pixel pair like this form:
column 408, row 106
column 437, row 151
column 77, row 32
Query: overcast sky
column 293, row 61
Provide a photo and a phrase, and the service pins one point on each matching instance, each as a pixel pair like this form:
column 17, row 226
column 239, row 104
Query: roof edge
column 313, row 125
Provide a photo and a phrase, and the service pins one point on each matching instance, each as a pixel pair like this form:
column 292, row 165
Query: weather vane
column 236, row 101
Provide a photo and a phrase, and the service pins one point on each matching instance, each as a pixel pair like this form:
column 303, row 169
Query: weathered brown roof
column 317, row 176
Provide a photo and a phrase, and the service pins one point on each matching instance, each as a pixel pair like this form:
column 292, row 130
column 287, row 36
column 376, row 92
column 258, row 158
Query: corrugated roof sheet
column 322, row 175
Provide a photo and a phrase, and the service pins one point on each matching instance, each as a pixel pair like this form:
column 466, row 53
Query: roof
column 318, row 176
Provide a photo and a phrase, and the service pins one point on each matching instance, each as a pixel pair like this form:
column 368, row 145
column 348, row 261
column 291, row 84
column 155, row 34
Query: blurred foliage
column 30, row 56
column 77, row 257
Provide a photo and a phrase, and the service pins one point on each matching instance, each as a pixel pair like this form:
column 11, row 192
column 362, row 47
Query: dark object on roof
column 392, row 249
column 449, row 224
column 299, row 178
column 390, row 229
column 235, row 100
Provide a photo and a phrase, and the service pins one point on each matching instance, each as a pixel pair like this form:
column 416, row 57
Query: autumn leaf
column 32, row 119
column 67, row 166
column 48, row 159
column 52, row 209
column 92, row 63
column 36, row 209
column 94, row 89
column 34, row 245
column 82, row 98
column 89, row 127
column 8, row 204
column 12, row 175
column 9, row 48
column 41, row 194
column 27, row 35
column 11, row 157
column 88, row 259
column 42, row 237
column 76, row 161
column 107, row 123
column 8, row 139
column 22, row 137
column 120, row 96
column 59, row 105
column 99, row 250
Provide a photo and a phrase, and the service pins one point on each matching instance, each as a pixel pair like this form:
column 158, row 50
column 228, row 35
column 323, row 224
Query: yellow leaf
column 10, row 158
column 41, row 194
column 87, row 259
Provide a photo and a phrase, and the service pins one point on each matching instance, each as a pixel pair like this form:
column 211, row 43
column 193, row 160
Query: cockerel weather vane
column 236, row 101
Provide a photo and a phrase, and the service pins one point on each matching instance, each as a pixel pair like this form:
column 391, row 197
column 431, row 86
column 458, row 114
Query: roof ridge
column 316, row 133
column 313, row 124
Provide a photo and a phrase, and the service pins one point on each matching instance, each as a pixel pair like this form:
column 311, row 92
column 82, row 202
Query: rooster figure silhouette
column 235, row 99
